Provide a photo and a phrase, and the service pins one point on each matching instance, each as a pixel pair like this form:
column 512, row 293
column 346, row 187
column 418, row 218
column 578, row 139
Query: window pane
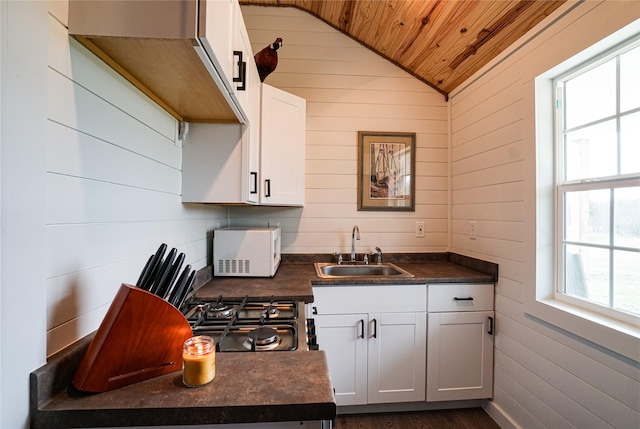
column 630, row 80
column 626, row 275
column 627, row 218
column 630, row 143
column 591, row 96
column 587, row 216
column 587, row 273
column 592, row 152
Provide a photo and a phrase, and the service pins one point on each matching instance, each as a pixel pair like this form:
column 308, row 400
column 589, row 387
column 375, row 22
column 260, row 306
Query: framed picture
column 386, row 171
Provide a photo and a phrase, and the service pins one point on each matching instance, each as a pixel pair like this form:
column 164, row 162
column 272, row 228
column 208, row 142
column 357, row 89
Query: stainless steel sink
column 326, row 270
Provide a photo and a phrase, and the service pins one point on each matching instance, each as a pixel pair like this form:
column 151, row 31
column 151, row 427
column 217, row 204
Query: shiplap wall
column 350, row 89
column 544, row 377
column 113, row 188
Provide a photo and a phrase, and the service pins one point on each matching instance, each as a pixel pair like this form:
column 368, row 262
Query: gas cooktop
column 243, row 325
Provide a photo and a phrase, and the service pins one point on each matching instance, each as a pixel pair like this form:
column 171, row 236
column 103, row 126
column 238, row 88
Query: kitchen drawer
column 460, row 297
column 344, row 299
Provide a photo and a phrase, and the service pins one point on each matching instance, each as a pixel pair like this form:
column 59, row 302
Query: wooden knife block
column 140, row 337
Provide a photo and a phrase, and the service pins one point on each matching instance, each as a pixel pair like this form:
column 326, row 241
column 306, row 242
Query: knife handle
column 143, row 273
column 164, row 271
column 155, row 265
column 185, row 291
column 179, row 286
column 168, row 284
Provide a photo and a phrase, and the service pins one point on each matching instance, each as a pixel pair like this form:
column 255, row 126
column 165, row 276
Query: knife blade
column 167, row 283
column 147, row 281
column 164, row 271
column 179, row 286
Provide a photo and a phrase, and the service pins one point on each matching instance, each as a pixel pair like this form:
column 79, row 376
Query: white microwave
column 246, row 252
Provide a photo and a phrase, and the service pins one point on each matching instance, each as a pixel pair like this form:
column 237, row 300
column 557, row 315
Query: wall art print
column 386, row 171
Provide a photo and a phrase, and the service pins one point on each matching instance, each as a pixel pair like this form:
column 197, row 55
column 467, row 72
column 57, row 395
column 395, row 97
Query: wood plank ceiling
column 441, row 42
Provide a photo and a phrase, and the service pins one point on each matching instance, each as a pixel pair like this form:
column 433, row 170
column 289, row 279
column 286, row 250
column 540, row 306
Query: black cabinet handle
column 361, row 328
column 267, row 182
column 254, row 175
column 490, row 331
column 469, row 298
column 242, row 72
column 314, row 310
column 375, row 328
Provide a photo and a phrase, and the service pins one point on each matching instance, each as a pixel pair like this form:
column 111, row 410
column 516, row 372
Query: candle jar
column 199, row 361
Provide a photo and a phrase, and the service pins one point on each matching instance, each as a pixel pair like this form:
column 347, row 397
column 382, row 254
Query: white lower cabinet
column 460, row 342
column 379, row 349
column 375, row 340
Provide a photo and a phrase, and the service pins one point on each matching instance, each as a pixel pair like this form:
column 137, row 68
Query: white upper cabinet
column 181, row 53
column 249, row 164
column 282, row 147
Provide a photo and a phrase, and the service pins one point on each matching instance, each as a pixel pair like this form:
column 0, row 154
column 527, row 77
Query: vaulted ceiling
column 441, row 42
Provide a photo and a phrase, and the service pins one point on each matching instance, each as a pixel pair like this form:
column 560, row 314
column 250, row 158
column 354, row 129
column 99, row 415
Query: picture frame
column 386, row 171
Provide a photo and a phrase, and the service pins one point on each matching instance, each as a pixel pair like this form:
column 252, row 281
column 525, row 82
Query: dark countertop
column 248, row 387
column 296, row 276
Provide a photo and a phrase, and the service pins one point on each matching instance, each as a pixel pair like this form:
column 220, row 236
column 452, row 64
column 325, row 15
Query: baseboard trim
column 411, row 406
column 499, row 415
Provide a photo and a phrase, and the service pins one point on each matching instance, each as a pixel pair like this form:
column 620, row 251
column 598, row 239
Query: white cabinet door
column 397, row 357
column 343, row 338
column 282, row 151
column 246, row 82
column 460, row 356
column 217, row 25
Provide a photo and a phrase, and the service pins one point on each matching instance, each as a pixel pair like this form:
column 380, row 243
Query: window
column 597, row 207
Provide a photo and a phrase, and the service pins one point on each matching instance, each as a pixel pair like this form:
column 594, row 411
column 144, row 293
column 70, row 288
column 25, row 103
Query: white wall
column 113, row 189
column 90, row 179
column 350, row 89
column 544, row 377
column 23, row 91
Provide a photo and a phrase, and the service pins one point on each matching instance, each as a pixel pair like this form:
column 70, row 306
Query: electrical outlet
column 472, row 230
column 419, row 229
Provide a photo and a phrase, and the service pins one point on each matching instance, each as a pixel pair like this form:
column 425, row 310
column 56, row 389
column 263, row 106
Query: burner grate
column 246, row 325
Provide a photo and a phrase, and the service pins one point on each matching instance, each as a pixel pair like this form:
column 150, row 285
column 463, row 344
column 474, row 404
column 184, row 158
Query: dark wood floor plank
column 468, row 418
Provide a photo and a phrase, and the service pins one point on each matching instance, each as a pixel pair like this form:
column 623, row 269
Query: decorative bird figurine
column 267, row 59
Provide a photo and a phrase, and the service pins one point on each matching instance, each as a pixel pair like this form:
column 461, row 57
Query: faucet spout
column 355, row 235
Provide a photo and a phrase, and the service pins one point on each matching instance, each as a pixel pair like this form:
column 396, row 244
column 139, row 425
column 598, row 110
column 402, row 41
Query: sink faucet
column 379, row 255
column 355, row 235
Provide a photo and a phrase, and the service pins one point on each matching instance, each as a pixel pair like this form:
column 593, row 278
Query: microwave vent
column 234, row 266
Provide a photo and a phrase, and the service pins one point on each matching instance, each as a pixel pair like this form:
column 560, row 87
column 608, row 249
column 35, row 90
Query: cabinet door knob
column 375, row 328
column 314, row 310
column 361, row 328
column 469, row 298
column 490, row 331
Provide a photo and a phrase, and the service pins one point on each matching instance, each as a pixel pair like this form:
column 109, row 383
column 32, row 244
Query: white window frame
column 562, row 187
column 541, row 302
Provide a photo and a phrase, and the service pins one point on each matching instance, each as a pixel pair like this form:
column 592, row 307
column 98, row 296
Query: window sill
column 619, row 337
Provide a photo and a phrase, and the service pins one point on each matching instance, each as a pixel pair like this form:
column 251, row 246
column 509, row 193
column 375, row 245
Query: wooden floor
column 470, row 418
